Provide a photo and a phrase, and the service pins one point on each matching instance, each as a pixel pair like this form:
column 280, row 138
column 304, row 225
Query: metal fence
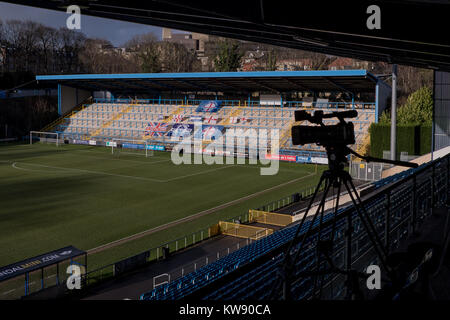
column 366, row 171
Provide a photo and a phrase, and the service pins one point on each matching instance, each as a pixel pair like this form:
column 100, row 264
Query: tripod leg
column 366, row 216
column 319, row 245
column 319, row 209
column 288, row 261
column 322, row 180
column 321, row 205
column 373, row 238
column 331, row 237
column 283, row 276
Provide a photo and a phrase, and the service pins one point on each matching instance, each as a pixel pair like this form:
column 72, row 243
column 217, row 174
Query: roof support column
column 394, row 113
column 59, row 100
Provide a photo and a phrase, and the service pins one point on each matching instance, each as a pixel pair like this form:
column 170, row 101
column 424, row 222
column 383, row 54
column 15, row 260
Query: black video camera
column 342, row 133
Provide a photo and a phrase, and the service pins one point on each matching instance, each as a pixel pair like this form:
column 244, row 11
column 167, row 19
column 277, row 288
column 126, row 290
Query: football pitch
column 118, row 205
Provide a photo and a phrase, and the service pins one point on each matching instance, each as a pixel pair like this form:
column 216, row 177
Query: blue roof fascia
column 251, row 74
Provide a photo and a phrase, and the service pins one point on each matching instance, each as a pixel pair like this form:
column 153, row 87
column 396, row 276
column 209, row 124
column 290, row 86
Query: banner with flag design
column 177, row 118
column 211, row 120
column 156, row 129
column 181, row 130
column 209, row 106
column 209, row 132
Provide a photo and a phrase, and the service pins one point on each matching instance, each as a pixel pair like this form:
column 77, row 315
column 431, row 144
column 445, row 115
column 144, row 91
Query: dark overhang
column 413, row 32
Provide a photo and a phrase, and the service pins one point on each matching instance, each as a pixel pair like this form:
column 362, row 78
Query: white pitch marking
column 14, row 165
column 87, row 171
column 197, row 173
column 191, row 217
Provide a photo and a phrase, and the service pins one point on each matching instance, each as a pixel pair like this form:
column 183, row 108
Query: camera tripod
column 335, row 177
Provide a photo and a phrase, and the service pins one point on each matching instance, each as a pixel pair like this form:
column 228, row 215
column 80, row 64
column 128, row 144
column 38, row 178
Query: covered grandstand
column 158, row 108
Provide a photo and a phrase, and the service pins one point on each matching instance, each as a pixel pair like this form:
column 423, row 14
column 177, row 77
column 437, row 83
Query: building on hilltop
column 192, row 41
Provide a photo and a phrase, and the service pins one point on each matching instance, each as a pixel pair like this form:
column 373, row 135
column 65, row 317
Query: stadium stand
column 264, row 256
column 159, row 122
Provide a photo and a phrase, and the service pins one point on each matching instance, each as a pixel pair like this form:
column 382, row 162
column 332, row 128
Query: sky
column 118, row 32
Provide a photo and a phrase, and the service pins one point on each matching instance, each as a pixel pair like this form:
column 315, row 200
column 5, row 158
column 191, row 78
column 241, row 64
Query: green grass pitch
column 87, row 197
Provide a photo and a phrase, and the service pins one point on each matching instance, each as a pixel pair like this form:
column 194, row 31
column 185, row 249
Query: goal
column 44, row 137
column 129, row 146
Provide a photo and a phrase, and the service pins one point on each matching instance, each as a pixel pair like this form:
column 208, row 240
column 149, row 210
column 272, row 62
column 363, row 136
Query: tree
column 177, row 58
column 140, row 40
column 71, row 44
column 320, row 61
column 93, row 58
column 150, row 59
column 44, row 37
column 271, row 63
column 418, row 109
column 229, row 56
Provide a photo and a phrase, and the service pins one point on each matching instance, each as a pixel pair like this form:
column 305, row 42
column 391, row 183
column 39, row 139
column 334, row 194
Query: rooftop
column 245, row 82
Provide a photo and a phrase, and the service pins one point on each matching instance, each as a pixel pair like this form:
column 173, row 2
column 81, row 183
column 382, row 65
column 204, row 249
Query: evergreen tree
column 229, row 56
column 418, row 109
column 150, row 59
column 271, row 61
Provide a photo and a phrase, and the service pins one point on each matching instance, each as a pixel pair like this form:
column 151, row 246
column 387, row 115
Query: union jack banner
column 212, row 120
column 177, row 118
column 156, row 129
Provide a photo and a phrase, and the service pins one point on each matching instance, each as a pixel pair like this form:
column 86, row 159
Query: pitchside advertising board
column 111, row 144
column 80, row 141
column 124, row 145
column 299, row 159
column 38, row 262
column 141, row 146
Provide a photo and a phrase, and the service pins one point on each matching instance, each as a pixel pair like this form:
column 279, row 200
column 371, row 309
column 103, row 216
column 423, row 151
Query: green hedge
column 414, row 139
column 425, row 139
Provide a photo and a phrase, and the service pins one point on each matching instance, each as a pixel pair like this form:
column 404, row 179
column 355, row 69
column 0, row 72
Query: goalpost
column 129, row 146
column 44, row 137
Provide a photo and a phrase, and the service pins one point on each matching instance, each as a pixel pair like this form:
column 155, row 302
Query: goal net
column 243, row 231
column 129, row 146
column 44, row 137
